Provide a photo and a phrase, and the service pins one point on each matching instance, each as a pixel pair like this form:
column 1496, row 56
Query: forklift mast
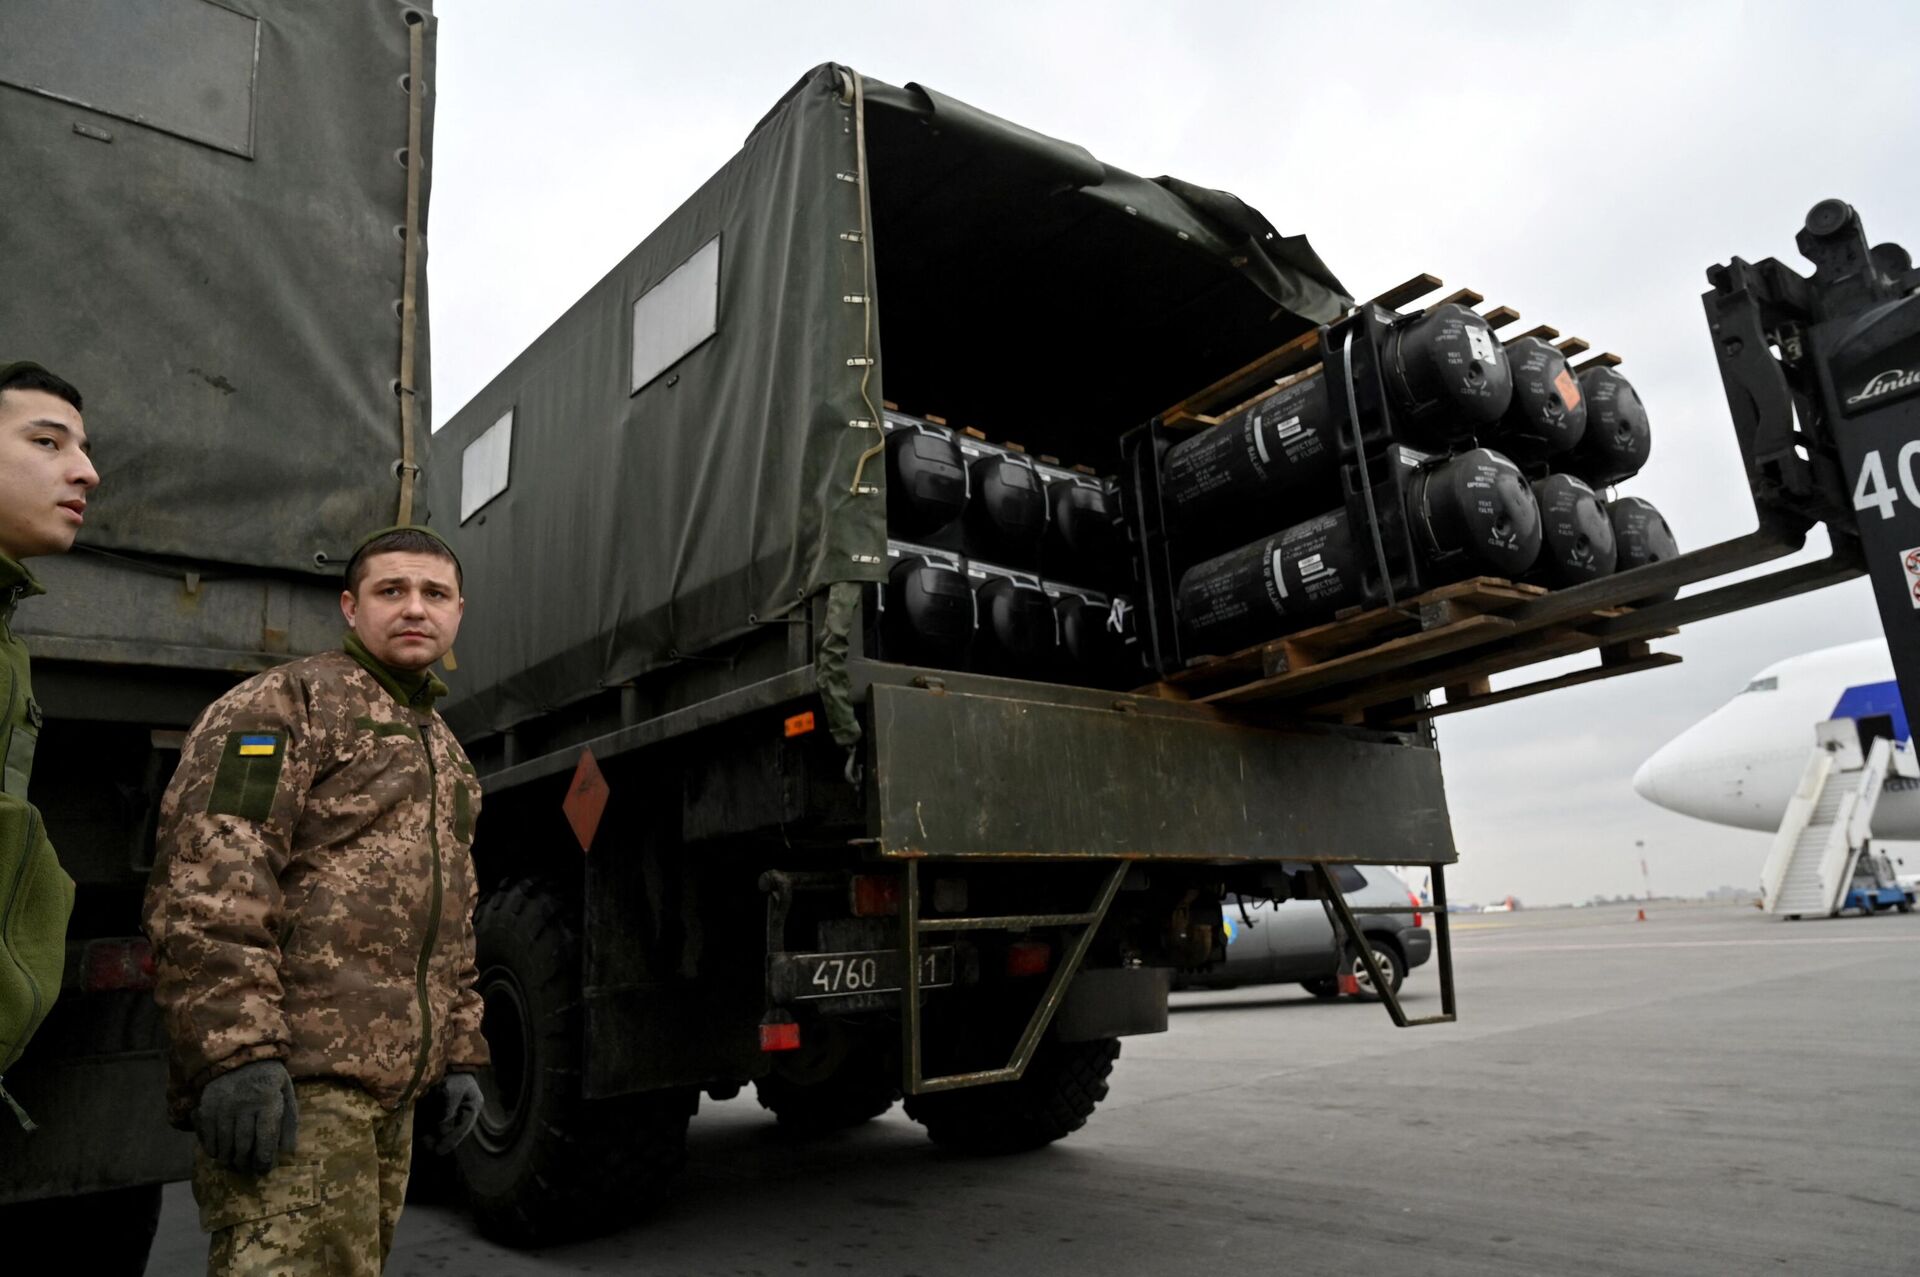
column 1822, row 374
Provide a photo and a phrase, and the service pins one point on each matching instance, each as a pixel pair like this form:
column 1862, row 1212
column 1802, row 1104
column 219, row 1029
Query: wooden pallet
column 1364, row 667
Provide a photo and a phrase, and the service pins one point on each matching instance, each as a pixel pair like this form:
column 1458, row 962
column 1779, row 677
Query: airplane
column 1741, row 764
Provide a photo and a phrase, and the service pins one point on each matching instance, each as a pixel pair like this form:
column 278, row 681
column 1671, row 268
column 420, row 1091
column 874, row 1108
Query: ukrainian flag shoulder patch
column 248, row 776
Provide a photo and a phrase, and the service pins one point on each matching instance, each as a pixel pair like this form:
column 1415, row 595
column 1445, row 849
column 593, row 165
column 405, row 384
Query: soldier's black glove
column 461, row 1092
column 247, row 1118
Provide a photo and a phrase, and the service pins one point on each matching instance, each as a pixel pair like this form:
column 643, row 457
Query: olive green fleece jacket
column 36, row 896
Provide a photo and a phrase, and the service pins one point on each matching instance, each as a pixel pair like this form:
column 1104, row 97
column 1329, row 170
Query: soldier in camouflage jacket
column 312, row 905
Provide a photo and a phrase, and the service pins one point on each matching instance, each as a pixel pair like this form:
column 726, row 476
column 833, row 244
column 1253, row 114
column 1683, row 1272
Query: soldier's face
column 407, row 610
column 45, row 473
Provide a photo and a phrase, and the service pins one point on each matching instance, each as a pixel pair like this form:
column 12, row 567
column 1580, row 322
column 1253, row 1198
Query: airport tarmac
column 1708, row 1091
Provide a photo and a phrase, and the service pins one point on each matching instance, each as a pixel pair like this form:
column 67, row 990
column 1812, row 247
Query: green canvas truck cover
column 203, row 229
column 693, row 450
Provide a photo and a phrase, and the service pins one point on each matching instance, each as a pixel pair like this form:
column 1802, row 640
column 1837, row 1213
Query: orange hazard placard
column 1569, row 389
column 586, row 800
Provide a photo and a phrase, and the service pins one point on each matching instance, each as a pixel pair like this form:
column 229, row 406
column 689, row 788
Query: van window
column 676, row 314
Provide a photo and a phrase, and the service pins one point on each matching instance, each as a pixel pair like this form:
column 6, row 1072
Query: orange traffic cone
column 1639, row 915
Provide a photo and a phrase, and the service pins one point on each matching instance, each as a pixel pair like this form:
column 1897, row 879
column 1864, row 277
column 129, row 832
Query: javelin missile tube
column 1548, row 414
column 926, row 607
column 1443, row 370
column 1017, row 632
column 1099, row 637
column 1616, row 443
column 1576, row 541
column 1006, row 516
column 926, row 480
column 1470, row 513
column 1643, row 536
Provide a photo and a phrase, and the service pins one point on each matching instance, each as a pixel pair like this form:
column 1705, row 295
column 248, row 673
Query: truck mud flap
column 959, row 774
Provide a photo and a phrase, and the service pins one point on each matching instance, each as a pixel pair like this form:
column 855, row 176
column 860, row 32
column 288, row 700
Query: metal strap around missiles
column 913, row 927
column 1347, row 921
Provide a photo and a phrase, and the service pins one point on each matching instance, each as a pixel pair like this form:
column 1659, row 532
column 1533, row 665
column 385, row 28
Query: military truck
column 787, row 785
column 213, row 228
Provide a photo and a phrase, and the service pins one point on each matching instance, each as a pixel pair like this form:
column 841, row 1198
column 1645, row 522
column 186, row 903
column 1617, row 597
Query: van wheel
column 544, row 1162
column 1063, row 1084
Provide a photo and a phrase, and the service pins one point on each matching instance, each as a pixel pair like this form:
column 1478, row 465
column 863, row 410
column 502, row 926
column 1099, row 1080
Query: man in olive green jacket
column 45, row 476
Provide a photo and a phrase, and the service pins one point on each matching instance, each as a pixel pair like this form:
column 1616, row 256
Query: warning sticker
column 1569, row 389
column 1480, row 342
column 1910, row 562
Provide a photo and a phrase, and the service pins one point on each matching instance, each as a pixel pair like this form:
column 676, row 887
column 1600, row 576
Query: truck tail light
column 780, row 1034
column 1029, row 957
column 1415, row 902
column 876, row 895
column 107, row 966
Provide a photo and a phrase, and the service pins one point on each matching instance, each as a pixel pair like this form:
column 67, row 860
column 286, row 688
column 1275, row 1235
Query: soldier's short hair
column 399, row 541
column 26, row 375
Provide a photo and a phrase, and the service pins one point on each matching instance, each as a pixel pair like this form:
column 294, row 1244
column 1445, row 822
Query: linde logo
column 1885, row 383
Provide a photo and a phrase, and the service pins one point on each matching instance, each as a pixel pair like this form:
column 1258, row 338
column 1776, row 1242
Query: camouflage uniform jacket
column 312, row 898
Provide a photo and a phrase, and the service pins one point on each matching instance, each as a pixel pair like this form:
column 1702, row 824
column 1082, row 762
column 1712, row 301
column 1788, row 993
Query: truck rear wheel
column 1053, row 1099
column 544, row 1161
column 843, row 1083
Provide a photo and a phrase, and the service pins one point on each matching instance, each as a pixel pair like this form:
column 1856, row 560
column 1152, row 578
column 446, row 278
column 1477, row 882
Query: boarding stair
column 1827, row 823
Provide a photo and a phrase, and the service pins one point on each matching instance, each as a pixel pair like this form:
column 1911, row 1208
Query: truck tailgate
column 964, row 774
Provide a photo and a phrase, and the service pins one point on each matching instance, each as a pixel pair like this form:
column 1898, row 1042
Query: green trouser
column 329, row 1208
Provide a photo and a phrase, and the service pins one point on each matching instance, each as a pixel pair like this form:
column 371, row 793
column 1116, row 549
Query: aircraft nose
column 1646, row 780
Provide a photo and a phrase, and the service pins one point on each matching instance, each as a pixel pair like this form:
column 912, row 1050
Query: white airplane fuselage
column 1740, row 765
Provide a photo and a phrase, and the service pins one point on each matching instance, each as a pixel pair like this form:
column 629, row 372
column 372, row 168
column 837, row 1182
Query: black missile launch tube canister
column 1285, row 443
column 1447, row 367
column 1272, row 587
column 1099, row 639
column 1617, row 441
column 1083, row 511
column 1443, row 368
column 1548, row 414
column 1006, row 515
column 1018, row 632
column 926, row 479
column 1643, row 537
column 1474, row 512
column 927, row 612
column 1577, row 542
column 1479, row 508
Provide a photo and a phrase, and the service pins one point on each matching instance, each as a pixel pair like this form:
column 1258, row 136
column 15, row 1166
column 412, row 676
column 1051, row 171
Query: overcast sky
column 1584, row 167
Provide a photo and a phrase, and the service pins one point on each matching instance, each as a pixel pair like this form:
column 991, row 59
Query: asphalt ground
column 1708, row 1091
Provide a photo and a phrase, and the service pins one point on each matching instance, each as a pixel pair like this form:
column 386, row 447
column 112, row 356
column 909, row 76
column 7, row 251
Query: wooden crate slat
column 1501, row 316
column 1464, row 296
column 1573, row 346
column 1605, row 359
column 1545, row 332
column 1413, row 289
column 1243, row 381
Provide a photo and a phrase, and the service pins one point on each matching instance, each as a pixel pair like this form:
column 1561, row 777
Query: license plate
column 835, row 975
